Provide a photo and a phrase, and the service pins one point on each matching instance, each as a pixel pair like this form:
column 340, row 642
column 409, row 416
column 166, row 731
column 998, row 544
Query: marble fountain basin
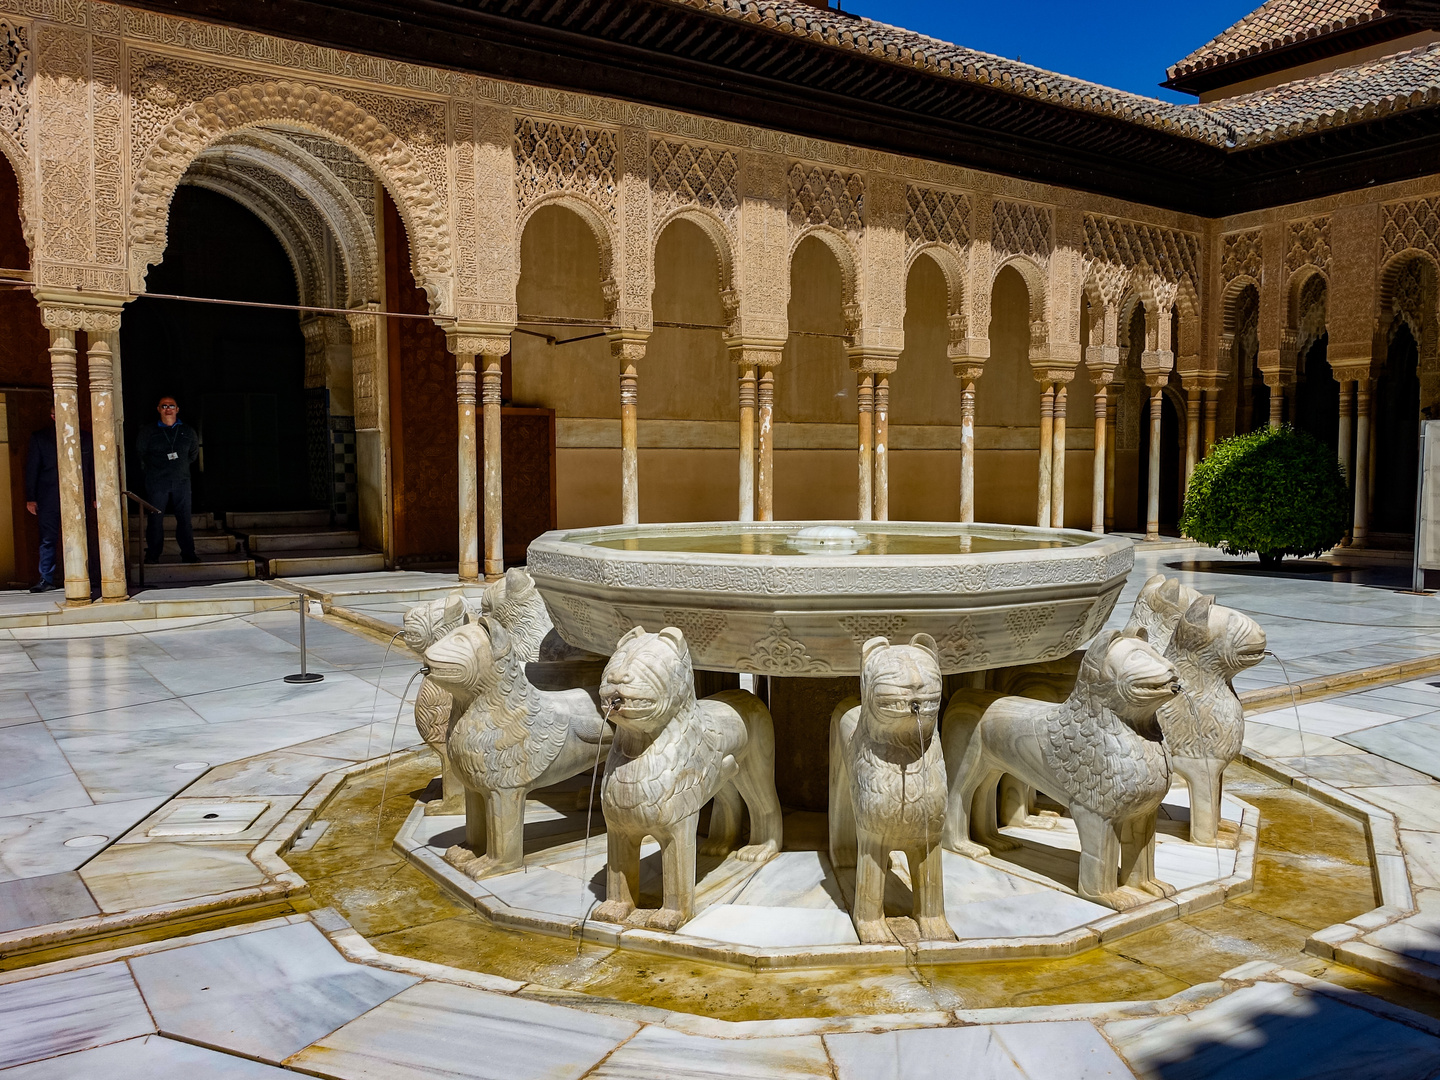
column 799, row 598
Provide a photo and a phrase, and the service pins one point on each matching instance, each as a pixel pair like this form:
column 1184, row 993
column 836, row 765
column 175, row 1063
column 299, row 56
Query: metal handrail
column 140, row 564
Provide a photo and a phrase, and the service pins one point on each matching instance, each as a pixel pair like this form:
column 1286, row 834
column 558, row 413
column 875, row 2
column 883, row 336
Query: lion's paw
column 999, row 842
column 758, row 853
column 1157, row 888
column 612, row 911
column 712, row 846
column 667, row 919
column 874, row 932
column 968, row 848
column 460, row 857
column 935, row 928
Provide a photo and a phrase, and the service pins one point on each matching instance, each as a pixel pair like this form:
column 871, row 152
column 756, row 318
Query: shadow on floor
column 1392, row 578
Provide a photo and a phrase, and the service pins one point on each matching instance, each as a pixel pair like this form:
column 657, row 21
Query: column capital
column 1355, row 373
column 1157, row 380
column 628, row 346
column 873, row 362
column 72, row 311
column 968, row 370
column 1156, row 362
column 1098, row 357
column 1049, row 373
column 756, row 352
column 478, row 339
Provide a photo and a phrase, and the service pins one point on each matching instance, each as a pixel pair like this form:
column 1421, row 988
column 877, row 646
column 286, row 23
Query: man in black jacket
column 166, row 452
column 42, row 498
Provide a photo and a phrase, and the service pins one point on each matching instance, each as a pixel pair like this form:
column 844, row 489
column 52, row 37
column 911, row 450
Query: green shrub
column 1275, row 492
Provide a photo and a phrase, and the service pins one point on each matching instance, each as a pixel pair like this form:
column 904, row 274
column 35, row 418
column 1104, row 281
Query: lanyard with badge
column 173, row 432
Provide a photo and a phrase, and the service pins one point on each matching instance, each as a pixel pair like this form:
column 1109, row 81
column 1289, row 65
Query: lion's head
column 1161, row 603
column 900, row 687
column 1229, row 639
column 1130, row 678
column 463, row 659
column 648, row 680
column 424, row 624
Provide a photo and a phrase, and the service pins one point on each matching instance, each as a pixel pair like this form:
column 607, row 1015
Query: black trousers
column 174, row 496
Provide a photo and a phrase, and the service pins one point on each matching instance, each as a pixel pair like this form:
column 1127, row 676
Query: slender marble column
column 1152, row 504
column 765, row 468
column 865, row 414
column 747, row 442
column 1212, row 414
column 469, row 481
column 1346, row 410
column 1047, row 436
column 65, row 380
column 1101, row 464
column 1111, row 407
column 1192, row 431
column 494, row 506
column 967, row 450
column 882, row 447
column 1057, row 461
column 629, row 443
column 1361, row 528
column 1277, row 405
column 106, row 456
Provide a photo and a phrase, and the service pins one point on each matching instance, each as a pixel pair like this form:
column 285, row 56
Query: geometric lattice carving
column 1414, row 224
column 1307, row 243
column 1170, row 254
column 14, row 81
column 551, row 156
column 1022, row 229
column 939, row 217
column 820, row 196
column 684, row 175
column 1240, row 256
column 1310, row 326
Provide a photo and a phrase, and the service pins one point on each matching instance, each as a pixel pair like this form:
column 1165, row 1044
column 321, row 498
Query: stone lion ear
column 1194, row 625
column 516, row 579
column 630, row 635
column 1140, row 633
column 499, row 639
column 676, row 640
column 926, row 642
column 873, row 644
column 454, row 607
column 1170, row 590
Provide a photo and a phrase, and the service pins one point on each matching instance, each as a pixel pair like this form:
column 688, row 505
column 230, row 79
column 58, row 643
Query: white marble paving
column 34, row 844
column 75, row 1010
column 437, row 1030
column 150, row 1057
column 266, row 995
column 1073, row 1050
column 1279, row 1032
column 1324, row 718
column 38, row 901
column 658, row 1052
column 772, row 927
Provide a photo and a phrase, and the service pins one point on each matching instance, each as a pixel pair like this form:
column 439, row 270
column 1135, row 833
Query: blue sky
column 1122, row 43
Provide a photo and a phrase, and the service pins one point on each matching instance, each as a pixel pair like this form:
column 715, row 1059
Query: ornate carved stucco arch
column 712, row 227
column 845, row 255
column 312, row 109
column 943, row 257
column 21, row 166
column 595, row 220
column 1305, row 307
column 1034, row 278
column 1393, row 285
column 1230, row 301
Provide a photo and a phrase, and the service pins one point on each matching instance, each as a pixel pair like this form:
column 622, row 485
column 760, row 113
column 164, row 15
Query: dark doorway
column 1396, row 410
column 237, row 372
column 1317, row 397
column 1169, row 467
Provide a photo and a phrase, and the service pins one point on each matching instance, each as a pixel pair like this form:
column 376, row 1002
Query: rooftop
column 1277, row 24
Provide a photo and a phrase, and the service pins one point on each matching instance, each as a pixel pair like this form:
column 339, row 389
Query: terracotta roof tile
column 1274, row 25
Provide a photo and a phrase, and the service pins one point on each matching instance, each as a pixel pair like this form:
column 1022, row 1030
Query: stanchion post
column 305, row 675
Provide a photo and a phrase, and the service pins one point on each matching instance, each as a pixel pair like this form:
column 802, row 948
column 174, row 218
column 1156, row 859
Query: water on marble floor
column 1311, row 870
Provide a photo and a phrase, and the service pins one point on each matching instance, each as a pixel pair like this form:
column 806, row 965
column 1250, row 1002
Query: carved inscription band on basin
column 747, row 600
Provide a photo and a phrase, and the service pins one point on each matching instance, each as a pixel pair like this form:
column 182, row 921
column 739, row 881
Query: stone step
column 277, row 519
column 198, row 522
column 206, row 543
column 310, row 540
column 167, row 572
column 324, row 562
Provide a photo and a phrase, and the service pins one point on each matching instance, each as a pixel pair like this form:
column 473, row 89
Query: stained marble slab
column 129, row 876
column 36, row 776
column 1413, row 742
column 280, row 772
column 1279, row 1032
column 50, row 898
column 74, row 1010
column 34, row 844
column 267, row 995
column 658, row 1052
column 439, row 1030
column 1073, row 1050
column 150, row 1057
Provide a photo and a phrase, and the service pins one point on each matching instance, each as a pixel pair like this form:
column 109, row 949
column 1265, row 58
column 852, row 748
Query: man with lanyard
column 166, row 452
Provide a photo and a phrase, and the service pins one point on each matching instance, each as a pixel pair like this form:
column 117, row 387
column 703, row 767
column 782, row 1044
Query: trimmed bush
column 1276, row 492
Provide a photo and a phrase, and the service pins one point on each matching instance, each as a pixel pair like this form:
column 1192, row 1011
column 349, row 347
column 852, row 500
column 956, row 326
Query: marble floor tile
column 1422, row 857
column 1277, row 739
column 542, row 889
column 129, row 876
column 1368, row 770
column 35, row 901
column 977, row 1053
column 75, row 1010
column 36, row 775
column 659, row 1052
column 794, row 879
column 1040, row 913
column 1325, row 718
column 1414, row 743
column 34, row 844
column 1414, row 807
column 1072, row 1049
column 69, row 696
column 267, row 995
column 163, row 715
column 772, row 927
column 280, row 772
column 1278, row 1032
column 15, row 708
column 1417, row 937
column 361, row 743
column 436, row 1030
column 186, row 677
column 339, row 693
column 150, row 1057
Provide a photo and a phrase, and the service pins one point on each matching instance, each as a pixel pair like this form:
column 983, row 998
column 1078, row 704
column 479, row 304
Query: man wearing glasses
column 166, row 452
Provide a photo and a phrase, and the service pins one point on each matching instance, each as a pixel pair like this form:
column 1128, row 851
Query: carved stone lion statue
column 1099, row 752
column 516, row 602
column 671, row 755
column 510, row 739
column 887, row 785
column 423, row 625
column 1205, row 725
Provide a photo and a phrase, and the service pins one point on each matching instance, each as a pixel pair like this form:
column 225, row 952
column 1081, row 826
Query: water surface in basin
column 785, row 541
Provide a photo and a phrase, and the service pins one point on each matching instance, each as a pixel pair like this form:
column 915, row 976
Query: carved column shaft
column 1101, row 460
column 628, row 348
column 494, row 507
column 967, row 450
column 1212, row 413
column 747, row 442
column 1361, row 527
column 1057, row 461
column 65, row 382
column 106, row 456
column 882, row 447
column 765, row 465
column 865, row 414
column 1192, row 431
column 1110, row 409
column 1152, row 503
column 469, row 481
column 1047, row 435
